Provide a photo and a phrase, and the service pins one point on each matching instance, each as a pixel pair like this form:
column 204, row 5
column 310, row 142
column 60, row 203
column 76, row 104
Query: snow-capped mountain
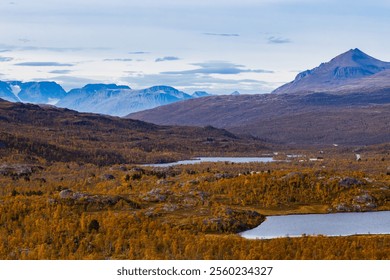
column 6, row 92
column 119, row 100
column 198, row 94
column 344, row 73
column 32, row 92
column 109, row 99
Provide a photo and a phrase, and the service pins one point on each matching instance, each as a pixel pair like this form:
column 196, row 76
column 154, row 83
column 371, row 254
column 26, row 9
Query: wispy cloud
column 60, row 71
column 278, row 40
column 167, row 58
column 190, row 83
column 46, row 48
column 118, row 59
column 43, row 64
column 217, row 67
column 24, row 40
column 138, row 52
column 222, row 34
column 5, row 59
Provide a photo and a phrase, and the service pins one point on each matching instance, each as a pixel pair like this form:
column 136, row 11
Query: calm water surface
column 339, row 224
column 214, row 159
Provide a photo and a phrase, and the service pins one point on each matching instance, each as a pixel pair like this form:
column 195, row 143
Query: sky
column 204, row 45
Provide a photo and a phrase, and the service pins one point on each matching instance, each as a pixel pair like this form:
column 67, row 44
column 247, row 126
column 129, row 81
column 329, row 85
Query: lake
column 214, row 159
column 337, row 224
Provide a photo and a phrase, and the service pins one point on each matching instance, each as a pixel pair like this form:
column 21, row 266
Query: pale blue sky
column 222, row 46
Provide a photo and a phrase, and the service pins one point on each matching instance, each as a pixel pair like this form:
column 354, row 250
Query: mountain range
column 344, row 101
column 109, row 99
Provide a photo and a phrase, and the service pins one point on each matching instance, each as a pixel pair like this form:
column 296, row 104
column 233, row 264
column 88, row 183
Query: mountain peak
column 339, row 71
column 355, row 57
column 197, row 94
column 98, row 87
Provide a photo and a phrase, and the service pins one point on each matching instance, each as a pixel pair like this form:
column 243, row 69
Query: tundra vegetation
column 70, row 210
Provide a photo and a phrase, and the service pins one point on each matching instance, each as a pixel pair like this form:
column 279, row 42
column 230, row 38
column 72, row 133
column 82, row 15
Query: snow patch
column 53, row 101
column 16, row 90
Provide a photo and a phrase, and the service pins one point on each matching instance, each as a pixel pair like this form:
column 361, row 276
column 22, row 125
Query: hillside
column 316, row 119
column 31, row 131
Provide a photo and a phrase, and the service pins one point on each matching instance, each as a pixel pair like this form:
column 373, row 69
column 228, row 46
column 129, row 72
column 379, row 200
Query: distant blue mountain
column 198, row 94
column 32, row 92
column 119, row 100
column 110, row 99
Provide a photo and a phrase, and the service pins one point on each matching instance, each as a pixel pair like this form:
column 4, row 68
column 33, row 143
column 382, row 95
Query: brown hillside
column 64, row 135
column 313, row 119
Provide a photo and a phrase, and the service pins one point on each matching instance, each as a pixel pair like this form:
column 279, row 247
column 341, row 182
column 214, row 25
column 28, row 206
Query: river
column 214, row 159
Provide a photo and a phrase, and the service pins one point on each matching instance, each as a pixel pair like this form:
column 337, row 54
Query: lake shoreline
column 331, row 224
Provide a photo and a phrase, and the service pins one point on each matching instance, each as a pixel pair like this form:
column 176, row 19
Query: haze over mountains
column 344, row 101
column 109, row 99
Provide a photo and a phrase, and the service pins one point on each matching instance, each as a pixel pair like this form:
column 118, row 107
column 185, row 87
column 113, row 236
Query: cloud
column 202, row 78
column 190, row 83
column 118, row 59
column 222, row 34
column 43, row 64
column 60, row 71
column 24, row 40
column 138, row 52
column 43, row 48
column 5, row 59
column 278, row 40
column 167, row 58
column 217, row 67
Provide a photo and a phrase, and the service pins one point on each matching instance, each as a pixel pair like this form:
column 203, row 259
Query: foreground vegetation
column 85, row 211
